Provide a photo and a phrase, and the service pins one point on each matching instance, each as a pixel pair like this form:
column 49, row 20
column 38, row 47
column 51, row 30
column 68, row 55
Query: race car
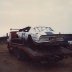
column 38, row 34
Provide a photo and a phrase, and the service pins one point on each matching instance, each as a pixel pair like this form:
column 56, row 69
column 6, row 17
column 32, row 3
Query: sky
column 21, row 13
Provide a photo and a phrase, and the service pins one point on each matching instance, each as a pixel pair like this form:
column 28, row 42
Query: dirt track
column 9, row 63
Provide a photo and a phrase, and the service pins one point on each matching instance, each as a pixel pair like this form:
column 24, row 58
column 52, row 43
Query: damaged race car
column 37, row 44
column 40, row 35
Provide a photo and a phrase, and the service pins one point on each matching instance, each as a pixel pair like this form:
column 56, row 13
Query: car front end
column 52, row 40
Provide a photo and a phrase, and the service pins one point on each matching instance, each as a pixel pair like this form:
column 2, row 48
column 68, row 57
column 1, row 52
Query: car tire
column 29, row 41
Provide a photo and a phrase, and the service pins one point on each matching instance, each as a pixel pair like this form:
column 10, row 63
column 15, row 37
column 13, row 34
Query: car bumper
column 55, row 43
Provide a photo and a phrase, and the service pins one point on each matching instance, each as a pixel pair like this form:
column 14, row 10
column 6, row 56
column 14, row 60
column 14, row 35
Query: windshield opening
column 48, row 29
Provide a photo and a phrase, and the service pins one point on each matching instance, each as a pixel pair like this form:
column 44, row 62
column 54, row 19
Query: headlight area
column 43, row 38
column 50, row 38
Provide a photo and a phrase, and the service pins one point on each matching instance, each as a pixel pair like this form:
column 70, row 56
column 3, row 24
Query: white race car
column 36, row 34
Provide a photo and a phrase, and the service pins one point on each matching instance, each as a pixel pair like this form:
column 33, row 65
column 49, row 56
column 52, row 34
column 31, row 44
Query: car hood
column 43, row 33
column 46, row 33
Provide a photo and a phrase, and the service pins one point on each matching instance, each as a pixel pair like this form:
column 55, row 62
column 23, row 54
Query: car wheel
column 29, row 40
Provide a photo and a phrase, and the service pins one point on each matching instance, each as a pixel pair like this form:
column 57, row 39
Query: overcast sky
column 21, row 13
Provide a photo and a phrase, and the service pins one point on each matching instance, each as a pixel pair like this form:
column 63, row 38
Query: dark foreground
column 9, row 63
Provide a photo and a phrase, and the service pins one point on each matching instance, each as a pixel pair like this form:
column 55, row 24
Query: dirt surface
column 9, row 63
